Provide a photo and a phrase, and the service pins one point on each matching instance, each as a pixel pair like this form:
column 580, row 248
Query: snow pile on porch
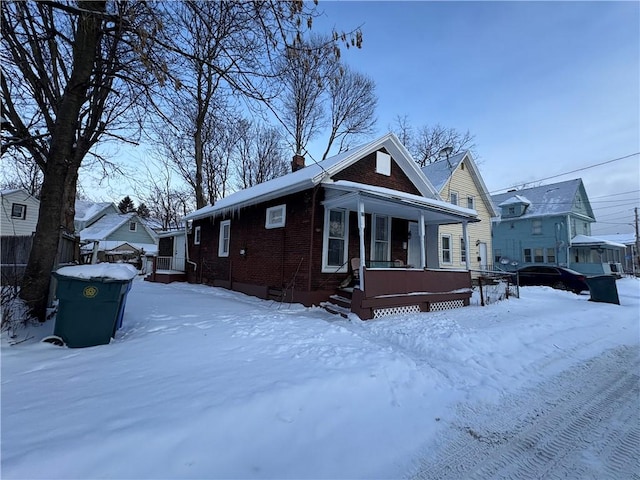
column 207, row 383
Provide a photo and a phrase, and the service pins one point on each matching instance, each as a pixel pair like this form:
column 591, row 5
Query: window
column 381, row 240
column 223, row 241
column 512, row 210
column 471, row 203
column 133, row 226
column 446, row 249
column 497, row 255
column 538, row 256
column 551, row 255
column 527, row 255
column 453, row 198
column 463, row 251
column 383, row 163
column 18, row 210
column 196, row 236
column 276, row 216
column 585, row 228
column 336, row 232
column 536, row 227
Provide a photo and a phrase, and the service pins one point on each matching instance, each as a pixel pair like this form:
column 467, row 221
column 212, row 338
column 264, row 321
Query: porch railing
column 170, row 263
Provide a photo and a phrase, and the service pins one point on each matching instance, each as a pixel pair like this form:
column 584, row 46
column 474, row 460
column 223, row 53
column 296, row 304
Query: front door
column 483, row 255
column 413, row 247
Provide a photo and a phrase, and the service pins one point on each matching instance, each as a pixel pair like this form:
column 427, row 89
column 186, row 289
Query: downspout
column 568, row 241
column 313, row 231
column 423, row 246
column 361, row 222
column 466, row 245
column 186, row 249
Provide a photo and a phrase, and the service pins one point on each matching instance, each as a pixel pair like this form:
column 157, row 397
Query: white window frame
column 448, row 250
column 453, row 194
column 196, row 235
column 538, row 255
column 374, row 240
column 551, row 255
column 471, row 202
column 383, row 163
column 23, row 211
column 224, row 242
column 134, row 225
column 463, row 250
column 270, row 223
column 525, row 255
column 326, row 268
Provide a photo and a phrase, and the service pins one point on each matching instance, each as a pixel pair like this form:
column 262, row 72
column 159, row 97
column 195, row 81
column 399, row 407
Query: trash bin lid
column 103, row 271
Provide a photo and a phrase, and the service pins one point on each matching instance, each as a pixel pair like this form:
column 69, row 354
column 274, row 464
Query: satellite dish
column 505, row 261
column 445, row 151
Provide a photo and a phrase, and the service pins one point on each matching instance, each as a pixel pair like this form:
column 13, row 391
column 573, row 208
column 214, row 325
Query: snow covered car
column 556, row 277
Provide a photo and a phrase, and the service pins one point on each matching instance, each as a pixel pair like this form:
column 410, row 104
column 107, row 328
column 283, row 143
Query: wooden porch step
column 336, row 309
column 341, row 301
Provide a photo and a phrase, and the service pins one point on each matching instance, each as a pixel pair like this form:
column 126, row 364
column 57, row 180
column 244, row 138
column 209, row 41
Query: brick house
column 334, row 233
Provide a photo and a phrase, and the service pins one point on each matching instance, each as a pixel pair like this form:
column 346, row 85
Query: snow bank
column 113, row 271
column 207, row 383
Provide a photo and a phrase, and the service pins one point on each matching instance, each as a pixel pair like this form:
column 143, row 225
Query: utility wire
column 572, row 171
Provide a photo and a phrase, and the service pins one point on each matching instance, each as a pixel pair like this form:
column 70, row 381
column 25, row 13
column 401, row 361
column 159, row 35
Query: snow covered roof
column 112, row 271
column 108, row 224
column 515, row 200
column 407, row 203
column 586, row 241
column 622, row 238
column 545, row 200
column 441, row 171
column 315, row 173
column 86, row 210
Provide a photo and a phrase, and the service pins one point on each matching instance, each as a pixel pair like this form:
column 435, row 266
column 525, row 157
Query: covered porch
column 386, row 283
column 594, row 256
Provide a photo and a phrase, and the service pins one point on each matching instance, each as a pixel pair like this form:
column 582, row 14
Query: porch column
column 361, row 233
column 466, row 245
column 423, row 254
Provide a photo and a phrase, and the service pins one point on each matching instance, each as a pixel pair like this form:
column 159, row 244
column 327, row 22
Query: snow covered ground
column 208, row 383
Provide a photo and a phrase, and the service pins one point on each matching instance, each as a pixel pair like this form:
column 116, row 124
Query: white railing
column 170, row 263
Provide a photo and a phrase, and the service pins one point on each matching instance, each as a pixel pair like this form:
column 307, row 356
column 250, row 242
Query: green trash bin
column 603, row 289
column 91, row 302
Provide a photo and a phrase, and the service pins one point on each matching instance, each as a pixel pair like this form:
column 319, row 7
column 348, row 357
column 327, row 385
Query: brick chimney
column 297, row 163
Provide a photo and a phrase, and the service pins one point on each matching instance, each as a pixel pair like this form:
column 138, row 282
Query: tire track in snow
column 583, row 423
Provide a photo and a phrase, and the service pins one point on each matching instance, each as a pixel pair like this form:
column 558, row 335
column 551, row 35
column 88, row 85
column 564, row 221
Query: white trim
column 224, row 243
column 326, row 268
column 457, row 202
column 268, row 223
column 23, row 211
column 442, row 249
column 374, row 217
column 196, row 236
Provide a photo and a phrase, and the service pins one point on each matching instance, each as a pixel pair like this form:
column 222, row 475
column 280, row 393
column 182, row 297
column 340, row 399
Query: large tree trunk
column 62, row 165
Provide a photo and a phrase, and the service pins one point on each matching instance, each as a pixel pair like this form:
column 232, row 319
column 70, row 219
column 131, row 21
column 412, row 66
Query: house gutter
column 186, row 248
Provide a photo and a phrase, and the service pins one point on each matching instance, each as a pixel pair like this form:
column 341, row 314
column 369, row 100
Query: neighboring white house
column 19, row 213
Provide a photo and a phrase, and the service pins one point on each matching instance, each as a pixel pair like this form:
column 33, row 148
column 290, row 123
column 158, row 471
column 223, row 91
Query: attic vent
column 383, row 163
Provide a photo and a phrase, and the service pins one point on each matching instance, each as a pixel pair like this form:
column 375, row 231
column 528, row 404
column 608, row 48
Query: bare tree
column 62, row 92
column 353, row 104
column 261, row 155
column 426, row 143
column 305, row 68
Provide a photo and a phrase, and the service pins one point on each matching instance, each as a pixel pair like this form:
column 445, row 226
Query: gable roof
column 109, row 223
column 86, row 210
column 316, row 173
column 515, row 200
column 546, row 200
column 12, row 191
column 440, row 172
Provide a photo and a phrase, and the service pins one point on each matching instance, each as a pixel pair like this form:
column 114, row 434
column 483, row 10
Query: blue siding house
column 551, row 225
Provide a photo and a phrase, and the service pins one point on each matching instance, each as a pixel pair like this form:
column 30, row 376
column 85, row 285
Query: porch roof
column 384, row 201
column 586, row 241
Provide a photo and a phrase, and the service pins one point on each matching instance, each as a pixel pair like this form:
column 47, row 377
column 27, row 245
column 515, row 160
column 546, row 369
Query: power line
column 572, row 171
column 616, row 194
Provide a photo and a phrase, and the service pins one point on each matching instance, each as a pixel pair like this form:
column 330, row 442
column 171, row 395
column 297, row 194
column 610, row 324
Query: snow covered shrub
column 15, row 314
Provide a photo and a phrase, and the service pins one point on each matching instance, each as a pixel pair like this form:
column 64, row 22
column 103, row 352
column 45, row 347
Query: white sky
column 545, row 87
